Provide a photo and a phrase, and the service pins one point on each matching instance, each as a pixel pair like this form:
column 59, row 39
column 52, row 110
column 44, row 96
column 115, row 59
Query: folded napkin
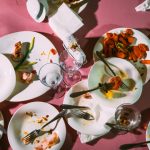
column 65, row 22
column 143, row 6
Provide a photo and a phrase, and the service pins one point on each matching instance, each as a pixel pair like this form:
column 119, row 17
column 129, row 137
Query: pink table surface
column 98, row 17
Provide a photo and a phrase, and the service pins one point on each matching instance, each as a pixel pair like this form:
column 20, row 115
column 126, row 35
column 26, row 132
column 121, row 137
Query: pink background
column 99, row 17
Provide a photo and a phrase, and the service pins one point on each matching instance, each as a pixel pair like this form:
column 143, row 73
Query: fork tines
column 82, row 114
column 30, row 137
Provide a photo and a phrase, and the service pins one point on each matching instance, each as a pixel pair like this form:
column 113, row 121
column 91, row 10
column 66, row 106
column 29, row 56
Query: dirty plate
column 41, row 53
column 29, row 117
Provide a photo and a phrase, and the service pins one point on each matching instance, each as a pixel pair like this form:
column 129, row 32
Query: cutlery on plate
column 99, row 54
column 77, row 112
column 29, row 138
column 115, row 126
column 81, row 114
column 103, row 86
column 66, row 106
column 133, row 145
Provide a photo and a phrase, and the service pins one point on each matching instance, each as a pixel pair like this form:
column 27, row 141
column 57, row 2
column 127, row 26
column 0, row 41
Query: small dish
column 98, row 74
column 7, row 78
column 1, row 123
column 29, row 117
column 101, row 115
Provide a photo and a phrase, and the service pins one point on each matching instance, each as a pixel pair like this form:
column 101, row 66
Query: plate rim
column 13, row 75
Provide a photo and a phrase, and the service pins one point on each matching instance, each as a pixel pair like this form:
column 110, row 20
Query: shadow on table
column 89, row 18
column 145, row 31
column 145, row 118
column 71, row 135
column 4, row 107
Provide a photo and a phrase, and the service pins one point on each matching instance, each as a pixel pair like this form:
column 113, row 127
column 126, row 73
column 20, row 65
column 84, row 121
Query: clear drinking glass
column 71, row 68
column 51, row 75
column 127, row 117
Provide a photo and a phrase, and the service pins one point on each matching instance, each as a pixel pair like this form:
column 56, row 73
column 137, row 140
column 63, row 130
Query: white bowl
column 7, row 78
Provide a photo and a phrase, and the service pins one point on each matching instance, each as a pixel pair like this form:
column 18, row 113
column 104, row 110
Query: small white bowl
column 7, row 78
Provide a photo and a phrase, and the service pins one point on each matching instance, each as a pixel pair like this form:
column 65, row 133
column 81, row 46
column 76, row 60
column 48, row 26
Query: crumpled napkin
column 85, row 138
column 143, row 6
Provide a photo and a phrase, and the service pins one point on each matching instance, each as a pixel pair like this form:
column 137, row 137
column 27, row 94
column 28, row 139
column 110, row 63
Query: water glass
column 51, row 75
column 71, row 68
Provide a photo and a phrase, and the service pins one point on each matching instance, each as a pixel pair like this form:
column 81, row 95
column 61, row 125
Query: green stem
column 26, row 55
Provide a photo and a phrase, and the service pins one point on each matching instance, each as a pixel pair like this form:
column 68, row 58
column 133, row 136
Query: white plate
column 140, row 38
column 94, row 127
column 7, row 78
column 39, row 54
column 148, row 135
column 97, row 74
column 20, row 123
column 1, row 123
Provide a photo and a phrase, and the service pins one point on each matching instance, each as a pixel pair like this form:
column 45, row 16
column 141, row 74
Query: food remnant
column 27, row 77
column 116, row 81
column 17, row 54
column 145, row 126
column 121, row 45
column 87, row 96
column 25, row 132
column 109, row 94
column 42, row 119
column 46, row 142
column 124, row 121
column 53, row 51
column 31, row 114
column 145, row 62
column 43, row 53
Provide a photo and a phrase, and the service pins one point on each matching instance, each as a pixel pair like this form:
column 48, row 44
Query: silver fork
column 99, row 54
column 35, row 133
column 81, row 114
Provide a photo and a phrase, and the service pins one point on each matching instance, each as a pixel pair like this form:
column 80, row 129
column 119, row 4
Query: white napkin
column 143, row 6
column 85, row 138
column 65, row 22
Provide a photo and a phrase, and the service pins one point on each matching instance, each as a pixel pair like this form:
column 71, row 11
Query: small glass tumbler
column 127, row 117
column 51, row 75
